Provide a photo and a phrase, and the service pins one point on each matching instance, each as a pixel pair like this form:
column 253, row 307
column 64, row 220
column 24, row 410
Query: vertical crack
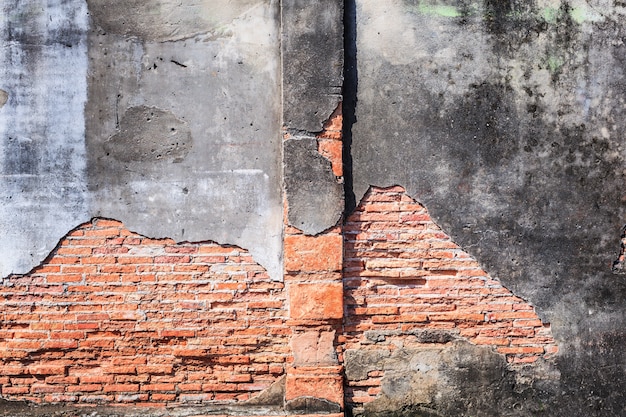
column 619, row 266
column 350, row 76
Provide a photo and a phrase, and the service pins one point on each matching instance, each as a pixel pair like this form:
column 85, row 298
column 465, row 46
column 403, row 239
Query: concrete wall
column 479, row 269
column 505, row 119
column 163, row 116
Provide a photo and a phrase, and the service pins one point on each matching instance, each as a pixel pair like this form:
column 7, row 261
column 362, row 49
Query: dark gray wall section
column 312, row 45
column 506, row 119
column 314, row 195
column 312, row 53
column 458, row 379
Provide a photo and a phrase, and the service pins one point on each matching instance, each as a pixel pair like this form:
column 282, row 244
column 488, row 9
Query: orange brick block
column 315, row 384
column 313, row 253
column 317, row 301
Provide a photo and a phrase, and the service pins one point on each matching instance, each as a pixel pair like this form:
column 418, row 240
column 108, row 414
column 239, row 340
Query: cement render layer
column 84, row 80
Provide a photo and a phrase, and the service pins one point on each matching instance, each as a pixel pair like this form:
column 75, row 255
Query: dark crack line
column 350, row 75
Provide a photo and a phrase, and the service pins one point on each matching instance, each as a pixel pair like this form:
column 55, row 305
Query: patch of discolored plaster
column 4, row 97
column 311, row 405
column 455, row 379
column 149, row 134
column 619, row 266
column 167, row 20
column 43, row 65
column 314, row 196
column 312, row 49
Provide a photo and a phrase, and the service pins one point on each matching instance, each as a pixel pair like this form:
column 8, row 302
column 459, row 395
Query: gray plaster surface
column 315, row 196
column 312, row 45
column 506, row 120
column 43, row 75
column 164, row 115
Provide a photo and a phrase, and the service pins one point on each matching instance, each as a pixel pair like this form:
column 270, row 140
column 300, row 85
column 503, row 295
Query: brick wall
column 115, row 317
column 403, row 274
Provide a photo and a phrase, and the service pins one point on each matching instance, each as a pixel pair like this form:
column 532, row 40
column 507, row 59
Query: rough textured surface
column 314, row 196
column 505, row 119
column 312, row 45
column 411, row 294
column 166, row 20
column 457, row 379
column 42, row 129
column 148, row 134
column 115, row 317
column 97, row 140
column 219, row 84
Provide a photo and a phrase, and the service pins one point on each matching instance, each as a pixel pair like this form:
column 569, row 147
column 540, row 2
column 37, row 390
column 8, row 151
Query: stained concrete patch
column 311, row 405
column 4, row 97
column 314, row 196
column 43, row 65
column 150, row 134
column 223, row 93
column 312, row 46
column 163, row 20
column 458, row 379
column 505, row 121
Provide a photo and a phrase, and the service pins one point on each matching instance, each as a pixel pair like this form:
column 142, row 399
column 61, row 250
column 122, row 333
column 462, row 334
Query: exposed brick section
column 313, row 267
column 330, row 142
column 115, row 317
column 403, row 274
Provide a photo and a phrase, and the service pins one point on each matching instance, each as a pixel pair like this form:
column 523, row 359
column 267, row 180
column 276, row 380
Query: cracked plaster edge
column 272, row 272
column 540, row 315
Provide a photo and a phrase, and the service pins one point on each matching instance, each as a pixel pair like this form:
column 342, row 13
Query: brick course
column 116, row 317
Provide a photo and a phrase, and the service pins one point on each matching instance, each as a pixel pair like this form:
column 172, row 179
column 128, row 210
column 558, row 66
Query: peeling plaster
column 208, row 69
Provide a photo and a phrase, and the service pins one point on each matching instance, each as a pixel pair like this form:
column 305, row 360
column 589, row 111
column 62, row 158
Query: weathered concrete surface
column 506, row 120
column 458, row 379
column 24, row 409
column 42, row 129
column 314, row 195
column 162, row 114
column 312, row 45
column 166, row 20
column 312, row 53
column 217, row 85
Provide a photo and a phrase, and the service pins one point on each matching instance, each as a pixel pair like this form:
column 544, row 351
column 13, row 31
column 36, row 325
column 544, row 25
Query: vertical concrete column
column 312, row 42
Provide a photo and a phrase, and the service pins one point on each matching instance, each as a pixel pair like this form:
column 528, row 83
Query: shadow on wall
column 427, row 330
column 115, row 317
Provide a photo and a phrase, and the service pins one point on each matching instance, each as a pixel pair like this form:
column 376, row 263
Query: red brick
column 84, row 388
column 520, row 350
column 47, row 370
column 316, row 300
column 121, row 388
column 15, row 390
column 313, row 253
column 158, row 387
column 163, row 397
column 172, row 259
